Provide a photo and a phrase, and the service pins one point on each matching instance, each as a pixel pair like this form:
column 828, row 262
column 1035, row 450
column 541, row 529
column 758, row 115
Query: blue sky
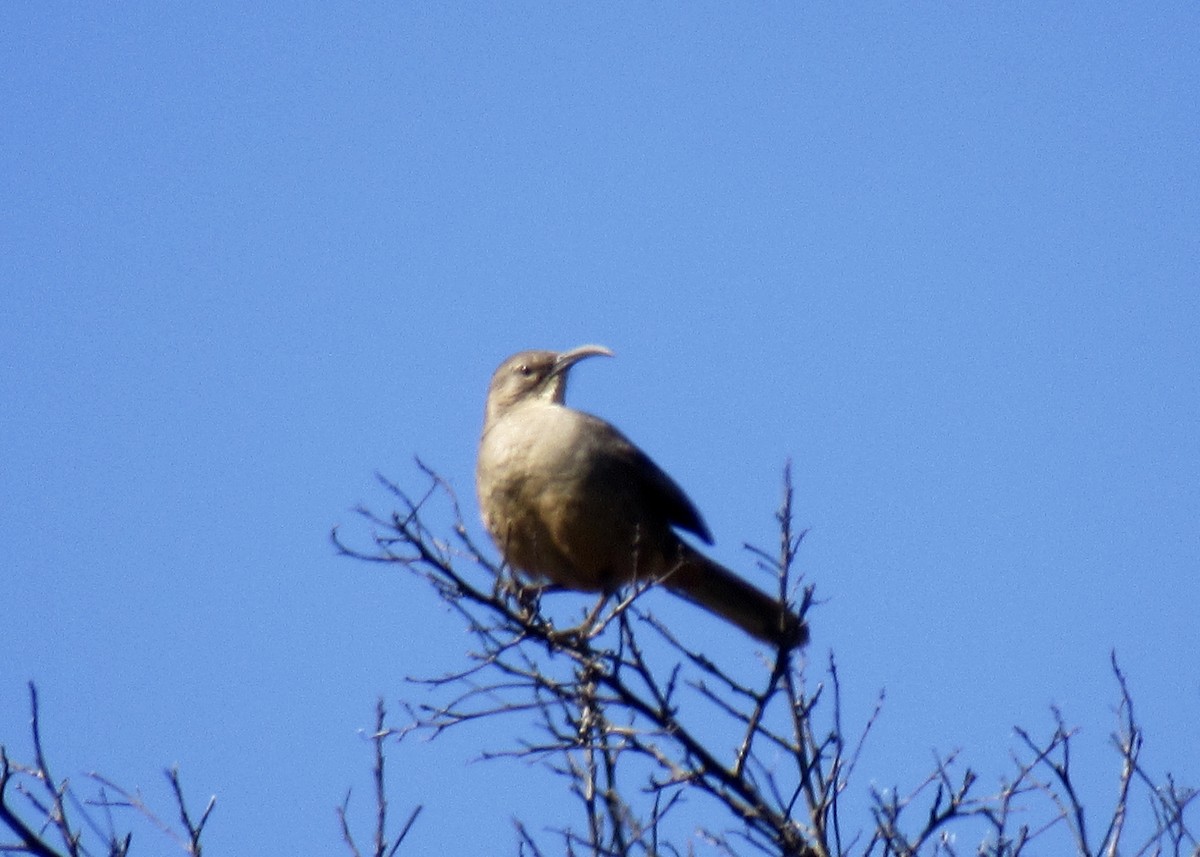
column 945, row 259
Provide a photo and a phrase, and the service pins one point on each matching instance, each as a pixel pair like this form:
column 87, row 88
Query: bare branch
column 381, row 845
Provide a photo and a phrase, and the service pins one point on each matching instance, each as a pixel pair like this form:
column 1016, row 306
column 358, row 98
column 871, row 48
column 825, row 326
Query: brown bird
column 569, row 499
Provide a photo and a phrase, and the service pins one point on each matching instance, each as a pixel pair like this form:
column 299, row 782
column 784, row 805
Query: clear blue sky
column 946, row 259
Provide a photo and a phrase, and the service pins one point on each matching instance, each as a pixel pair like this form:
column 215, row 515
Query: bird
column 569, row 500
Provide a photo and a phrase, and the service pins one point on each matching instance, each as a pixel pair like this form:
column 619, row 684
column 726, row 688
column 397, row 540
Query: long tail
column 718, row 590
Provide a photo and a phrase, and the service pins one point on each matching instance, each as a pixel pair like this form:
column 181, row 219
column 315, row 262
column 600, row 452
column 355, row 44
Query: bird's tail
column 720, row 591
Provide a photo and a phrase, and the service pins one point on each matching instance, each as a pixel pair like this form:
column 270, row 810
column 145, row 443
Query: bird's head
column 530, row 375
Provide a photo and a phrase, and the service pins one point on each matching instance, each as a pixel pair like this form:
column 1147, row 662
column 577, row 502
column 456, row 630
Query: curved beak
column 556, row 382
column 566, row 359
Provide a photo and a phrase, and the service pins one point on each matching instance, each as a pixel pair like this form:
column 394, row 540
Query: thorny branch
column 383, row 847
column 626, row 711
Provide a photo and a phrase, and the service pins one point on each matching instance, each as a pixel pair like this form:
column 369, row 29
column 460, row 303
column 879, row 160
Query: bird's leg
column 510, row 586
column 528, row 596
column 586, row 630
column 637, row 586
column 589, row 627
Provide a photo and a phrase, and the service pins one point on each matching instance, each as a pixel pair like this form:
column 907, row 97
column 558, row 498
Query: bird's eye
column 525, row 369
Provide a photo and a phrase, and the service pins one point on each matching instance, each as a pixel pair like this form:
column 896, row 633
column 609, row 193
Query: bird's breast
column 528, row 476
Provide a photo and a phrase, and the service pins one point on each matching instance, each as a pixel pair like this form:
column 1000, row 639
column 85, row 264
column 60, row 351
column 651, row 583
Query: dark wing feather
column 662, row 494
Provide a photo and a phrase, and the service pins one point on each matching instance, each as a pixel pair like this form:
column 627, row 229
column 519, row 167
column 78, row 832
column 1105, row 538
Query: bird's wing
column 661, row 493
